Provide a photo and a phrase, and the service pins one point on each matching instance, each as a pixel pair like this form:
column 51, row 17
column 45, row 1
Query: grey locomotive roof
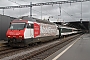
column 35, row 20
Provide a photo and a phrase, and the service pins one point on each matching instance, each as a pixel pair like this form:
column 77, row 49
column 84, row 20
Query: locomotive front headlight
column 20, row 36
column 8, row 36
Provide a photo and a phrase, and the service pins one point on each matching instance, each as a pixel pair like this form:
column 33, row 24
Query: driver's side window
column 28, row 25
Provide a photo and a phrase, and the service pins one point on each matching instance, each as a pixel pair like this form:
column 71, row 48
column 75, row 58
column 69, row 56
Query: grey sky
column 68, row 12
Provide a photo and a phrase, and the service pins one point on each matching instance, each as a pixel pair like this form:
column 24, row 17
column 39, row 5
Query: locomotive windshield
column 17, row 26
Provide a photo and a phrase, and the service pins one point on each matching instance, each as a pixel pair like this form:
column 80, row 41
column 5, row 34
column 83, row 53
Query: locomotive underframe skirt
column 24, row 42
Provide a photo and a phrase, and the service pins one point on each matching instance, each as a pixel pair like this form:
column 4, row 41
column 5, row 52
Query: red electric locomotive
column 26, row 30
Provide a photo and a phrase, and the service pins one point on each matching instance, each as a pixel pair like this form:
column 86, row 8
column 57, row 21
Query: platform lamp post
column 81, row 12
column 3, row 11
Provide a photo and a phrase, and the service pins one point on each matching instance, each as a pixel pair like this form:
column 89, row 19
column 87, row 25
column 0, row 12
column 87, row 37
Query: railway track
column 39, row 52
column 43, row 53
column 8, row 51
column 4, row 48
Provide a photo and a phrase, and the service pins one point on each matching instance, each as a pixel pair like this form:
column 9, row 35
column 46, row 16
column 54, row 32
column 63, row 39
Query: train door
column 29, row 31
column 32, row 30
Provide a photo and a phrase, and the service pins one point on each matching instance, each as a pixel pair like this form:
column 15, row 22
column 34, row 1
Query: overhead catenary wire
column 15, row 3
column 39, row 4
column 62, row 10
column 33, row 9
column 50, row 2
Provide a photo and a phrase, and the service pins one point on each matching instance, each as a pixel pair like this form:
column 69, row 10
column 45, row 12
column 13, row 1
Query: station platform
column 76, row 50
column 2, row 43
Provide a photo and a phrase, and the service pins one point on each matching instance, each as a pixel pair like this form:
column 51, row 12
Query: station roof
column 77, row 24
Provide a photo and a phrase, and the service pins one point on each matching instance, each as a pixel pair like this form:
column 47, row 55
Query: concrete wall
column 4, row 24
column 89, row 26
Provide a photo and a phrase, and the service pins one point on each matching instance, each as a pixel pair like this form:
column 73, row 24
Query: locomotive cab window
column 30, row 25
column 17, row 26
